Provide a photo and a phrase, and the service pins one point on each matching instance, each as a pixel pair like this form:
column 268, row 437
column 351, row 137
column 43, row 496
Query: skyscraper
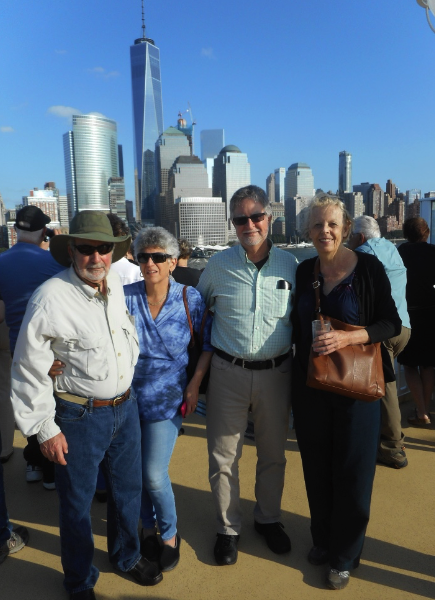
column 280, row 185
column 147, row 121
column 231, row 172
column 270, row 187
column 212, row 142
column 299, row 181
column 91, row 158
column 344, row 172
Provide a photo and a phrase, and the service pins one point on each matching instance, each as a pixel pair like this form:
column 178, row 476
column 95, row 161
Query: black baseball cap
column 31, row 218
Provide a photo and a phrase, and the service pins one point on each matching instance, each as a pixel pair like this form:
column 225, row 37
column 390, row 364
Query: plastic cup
column 319, row 327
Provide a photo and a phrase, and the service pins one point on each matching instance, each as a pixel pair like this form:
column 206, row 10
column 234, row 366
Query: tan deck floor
column 398, row 559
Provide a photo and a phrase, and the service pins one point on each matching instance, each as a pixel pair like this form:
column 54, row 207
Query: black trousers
column 338, row 440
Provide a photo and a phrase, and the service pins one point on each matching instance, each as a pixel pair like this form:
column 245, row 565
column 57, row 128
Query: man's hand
column 55, row 448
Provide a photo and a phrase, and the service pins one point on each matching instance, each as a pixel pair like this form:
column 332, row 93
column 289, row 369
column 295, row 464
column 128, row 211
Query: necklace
column 162, row 299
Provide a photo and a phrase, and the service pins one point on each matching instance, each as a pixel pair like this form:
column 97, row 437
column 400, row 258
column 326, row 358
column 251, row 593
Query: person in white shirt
column 79, row 317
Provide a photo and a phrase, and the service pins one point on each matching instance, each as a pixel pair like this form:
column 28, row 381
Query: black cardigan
column 377, row 309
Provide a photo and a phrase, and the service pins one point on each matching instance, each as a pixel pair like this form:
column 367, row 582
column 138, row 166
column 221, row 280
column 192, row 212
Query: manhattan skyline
column 275, row 85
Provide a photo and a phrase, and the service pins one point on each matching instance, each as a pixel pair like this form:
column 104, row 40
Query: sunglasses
column 88, row 250
column 156, row 257
column 254, row 218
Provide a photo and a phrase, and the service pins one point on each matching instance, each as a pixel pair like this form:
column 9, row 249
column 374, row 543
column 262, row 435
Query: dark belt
column 254, row 365
column 95, row 402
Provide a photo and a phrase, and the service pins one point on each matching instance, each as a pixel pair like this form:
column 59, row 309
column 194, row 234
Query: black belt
column 254, row 365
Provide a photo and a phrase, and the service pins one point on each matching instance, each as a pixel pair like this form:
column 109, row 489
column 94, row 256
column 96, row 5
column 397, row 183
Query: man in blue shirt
column 366, row 237
column 249, row 287
column 23, row 268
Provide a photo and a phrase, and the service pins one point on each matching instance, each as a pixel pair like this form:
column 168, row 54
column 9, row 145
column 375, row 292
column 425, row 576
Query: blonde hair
column 323, row 200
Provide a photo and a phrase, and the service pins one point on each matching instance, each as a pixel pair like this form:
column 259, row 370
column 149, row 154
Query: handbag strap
column 189, row 319
column 316, row 287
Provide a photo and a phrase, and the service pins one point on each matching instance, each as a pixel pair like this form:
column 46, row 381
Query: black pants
column 338, row 440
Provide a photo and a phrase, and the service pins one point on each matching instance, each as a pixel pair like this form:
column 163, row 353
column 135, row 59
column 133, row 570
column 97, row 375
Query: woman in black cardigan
column 338, row 436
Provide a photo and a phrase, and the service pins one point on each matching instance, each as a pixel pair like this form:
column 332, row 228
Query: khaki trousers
column 234, row 391
column 391, row 430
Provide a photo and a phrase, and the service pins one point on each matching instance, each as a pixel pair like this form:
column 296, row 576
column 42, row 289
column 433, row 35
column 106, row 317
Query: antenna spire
column 143, row 22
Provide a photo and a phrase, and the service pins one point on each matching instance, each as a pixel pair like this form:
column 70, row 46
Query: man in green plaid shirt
column 250, row 288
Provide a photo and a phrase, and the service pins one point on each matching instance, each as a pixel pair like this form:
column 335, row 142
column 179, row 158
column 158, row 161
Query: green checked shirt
column 251, row 316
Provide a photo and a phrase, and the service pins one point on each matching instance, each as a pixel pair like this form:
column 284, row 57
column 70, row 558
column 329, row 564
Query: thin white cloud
column 61, row 51
column 208, row 52
column 6, row 129
column 64, row 112
column 102, row 73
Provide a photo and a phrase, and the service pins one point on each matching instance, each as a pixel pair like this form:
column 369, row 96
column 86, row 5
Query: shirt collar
column 244, row 256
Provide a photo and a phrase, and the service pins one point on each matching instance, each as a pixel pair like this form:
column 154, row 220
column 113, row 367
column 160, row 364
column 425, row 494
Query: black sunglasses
column 156, row 257
column 88, row 250
column 254, row 218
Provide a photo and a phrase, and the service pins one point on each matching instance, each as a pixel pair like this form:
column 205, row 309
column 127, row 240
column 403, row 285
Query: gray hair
column 156, row 237
column 368, row 226
column 252, row 192
column 32, row 237
column 321, row 200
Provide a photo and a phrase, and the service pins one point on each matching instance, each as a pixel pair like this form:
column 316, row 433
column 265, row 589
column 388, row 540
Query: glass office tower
column 344, row 172
column 91, row 158
column 147, row 123
column 299, row 181
column 212, row 142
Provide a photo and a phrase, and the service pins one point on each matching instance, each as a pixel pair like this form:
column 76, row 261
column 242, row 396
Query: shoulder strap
column 316, row 285
column 189, row 320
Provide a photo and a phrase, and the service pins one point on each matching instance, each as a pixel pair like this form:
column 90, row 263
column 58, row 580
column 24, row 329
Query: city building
column 212, row 142
column 231, row 172
column 200, row 220
column 11, row 217
column 344, row 172
column 129, row 211
column 390, row 189
column 188, row 130
column 411, row 195
column 280, row 184
column 270, row 187
column 277, row 225
column 296, row 210
column 375, row 201
column 147, row 122
column 3, row 211
column 117, row 197
column 413, row 209
column 299, row 181
column 363, row 188
column 91, row 158
column 120, row 161
column 62, row 203
column 187, row 179
column 354, row 203
column 47, row 202
column 396, row 209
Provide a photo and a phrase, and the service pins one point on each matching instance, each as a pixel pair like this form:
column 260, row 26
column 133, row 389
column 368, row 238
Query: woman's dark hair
column 416, row 229
column 119, row 227
column 185, row 248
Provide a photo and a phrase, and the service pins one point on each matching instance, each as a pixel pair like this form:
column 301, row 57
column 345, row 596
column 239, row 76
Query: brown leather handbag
column 355, row 371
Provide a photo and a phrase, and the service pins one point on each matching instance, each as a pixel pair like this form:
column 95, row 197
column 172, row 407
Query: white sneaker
column 33, row 473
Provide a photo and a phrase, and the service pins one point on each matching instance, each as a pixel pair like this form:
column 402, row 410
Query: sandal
column 416, row 421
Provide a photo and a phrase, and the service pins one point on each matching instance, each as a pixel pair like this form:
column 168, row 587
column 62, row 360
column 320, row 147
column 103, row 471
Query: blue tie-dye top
column 160, row 375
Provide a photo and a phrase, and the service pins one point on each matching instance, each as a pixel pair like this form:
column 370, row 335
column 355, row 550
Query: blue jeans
column 109, row 435
column 5, row 525
column 158, row 502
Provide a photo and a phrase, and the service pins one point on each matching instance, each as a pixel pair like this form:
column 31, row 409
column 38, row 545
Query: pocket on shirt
column 281, row 303
column 132, row 340
column 87, row 357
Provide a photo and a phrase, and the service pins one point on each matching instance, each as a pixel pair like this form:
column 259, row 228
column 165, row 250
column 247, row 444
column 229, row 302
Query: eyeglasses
column 88, row 250
column 156, row 257
column 254, row 218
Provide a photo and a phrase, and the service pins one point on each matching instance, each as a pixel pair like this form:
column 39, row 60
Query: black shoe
column 150, row 548
column 84, row 595
column 397, row 460
column 146, row 573
column 48, row 480
column 169, row 556
column 101, row 495
column 225, row 549
column 277, row 540
column 318, row 556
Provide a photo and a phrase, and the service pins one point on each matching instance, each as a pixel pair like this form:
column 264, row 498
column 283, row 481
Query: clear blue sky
column 289, row 81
